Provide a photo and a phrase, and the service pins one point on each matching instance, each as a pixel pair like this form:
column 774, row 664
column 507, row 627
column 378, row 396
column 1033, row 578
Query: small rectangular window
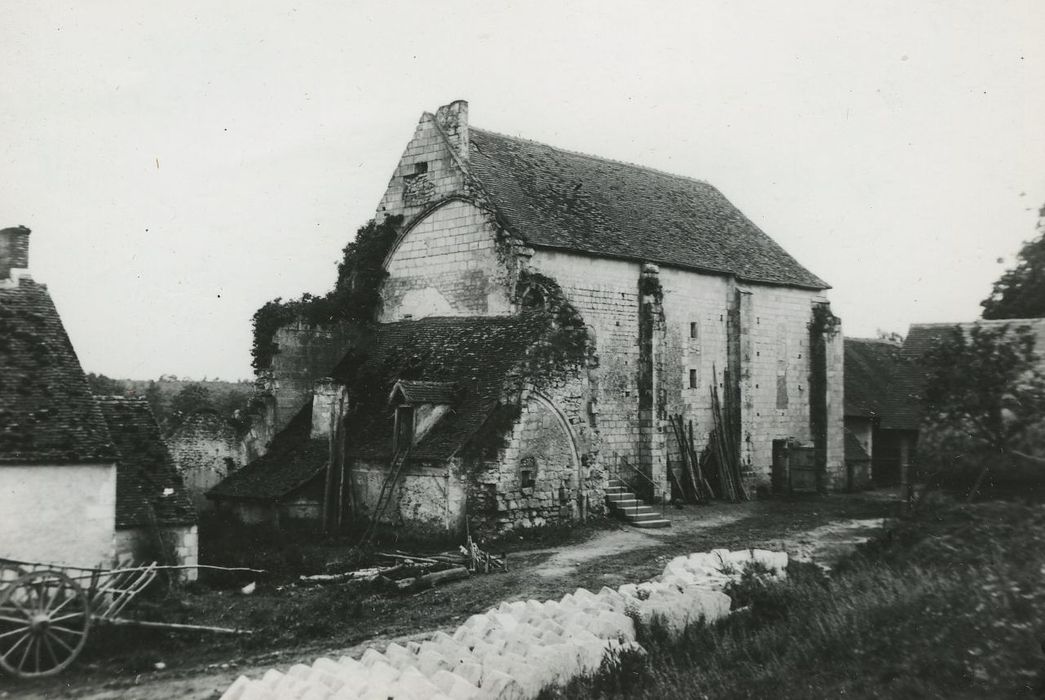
column 420, row 168
column 693, row 379
column 694, row 329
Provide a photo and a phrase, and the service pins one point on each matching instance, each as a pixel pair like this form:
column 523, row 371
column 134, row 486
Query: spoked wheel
column 44, row 620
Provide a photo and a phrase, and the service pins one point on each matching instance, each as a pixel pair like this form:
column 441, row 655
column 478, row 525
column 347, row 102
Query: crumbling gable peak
column 433, row 166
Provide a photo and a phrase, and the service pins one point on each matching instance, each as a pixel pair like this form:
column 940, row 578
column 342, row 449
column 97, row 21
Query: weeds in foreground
column 947, row 606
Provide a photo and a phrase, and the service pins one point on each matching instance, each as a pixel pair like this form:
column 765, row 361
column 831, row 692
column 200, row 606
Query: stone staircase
column 631, row 508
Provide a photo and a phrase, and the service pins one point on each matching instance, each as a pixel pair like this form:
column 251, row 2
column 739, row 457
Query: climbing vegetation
column 355, row 296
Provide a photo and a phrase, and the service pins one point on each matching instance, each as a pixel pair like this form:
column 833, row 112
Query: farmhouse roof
column 47, row 412
column 554, row 198
column 294, row 458
column 906, row 406
column 148, row 488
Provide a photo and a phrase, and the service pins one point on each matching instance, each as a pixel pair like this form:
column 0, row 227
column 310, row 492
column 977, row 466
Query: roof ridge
column 603, row 159
column 884, row 341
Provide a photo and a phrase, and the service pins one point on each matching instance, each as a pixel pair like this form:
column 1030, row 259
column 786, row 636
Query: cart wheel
column 44, row 620
column 9, row 572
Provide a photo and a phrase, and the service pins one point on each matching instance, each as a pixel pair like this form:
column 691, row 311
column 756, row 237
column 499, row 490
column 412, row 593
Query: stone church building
column 544, row 313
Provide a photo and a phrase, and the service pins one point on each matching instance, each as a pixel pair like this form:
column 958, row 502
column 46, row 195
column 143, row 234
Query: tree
column 154, row 396
column 105, row 386
column 1020, row 293
column 190, row 399
column 984, row 396
column 889, row 336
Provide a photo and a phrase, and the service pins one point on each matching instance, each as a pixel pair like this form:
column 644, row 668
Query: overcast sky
column 182, row 163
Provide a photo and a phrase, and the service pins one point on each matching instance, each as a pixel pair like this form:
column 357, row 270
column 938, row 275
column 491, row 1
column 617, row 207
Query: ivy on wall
column 823, row 326
column 355, row 296
column 567, row 343
column 562, row 347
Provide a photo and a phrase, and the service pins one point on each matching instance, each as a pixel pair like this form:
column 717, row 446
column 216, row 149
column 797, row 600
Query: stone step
column 631, row 508
column 661, row 522
column 636, row 508
column 615, row 497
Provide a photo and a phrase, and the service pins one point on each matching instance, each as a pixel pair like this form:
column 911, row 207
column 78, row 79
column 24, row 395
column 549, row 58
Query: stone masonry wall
column 205, row 450
column 447, row 265
column 427, row 502
column 774, row 341
column 137, row 545
column 774, row 348
column 548, row 471
column 306, row 353
column 426, row 174
column 836, row 476
column 606, row 294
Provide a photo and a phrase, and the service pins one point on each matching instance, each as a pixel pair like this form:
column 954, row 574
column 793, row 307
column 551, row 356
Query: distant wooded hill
column 173, row 399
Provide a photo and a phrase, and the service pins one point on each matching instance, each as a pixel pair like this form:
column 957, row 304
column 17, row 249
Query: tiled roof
column 293, row 459
column 854, row 451
column 474, row 354
column 906, row 407
column 559, row 199
column 871, row 367
column 148, row 489
column 414, row 391
column 47, row 413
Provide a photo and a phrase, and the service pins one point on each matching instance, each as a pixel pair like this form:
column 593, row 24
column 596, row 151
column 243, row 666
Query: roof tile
column 47, row 413
column 148, row 488
column 559, row 199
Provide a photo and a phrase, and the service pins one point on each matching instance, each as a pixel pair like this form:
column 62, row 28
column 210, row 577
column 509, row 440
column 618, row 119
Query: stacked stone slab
column 514, row 650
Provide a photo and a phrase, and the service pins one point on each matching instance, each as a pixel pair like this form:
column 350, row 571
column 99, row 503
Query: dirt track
column 817, row 529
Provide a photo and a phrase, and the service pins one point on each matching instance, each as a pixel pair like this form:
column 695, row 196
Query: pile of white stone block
column 513, row 651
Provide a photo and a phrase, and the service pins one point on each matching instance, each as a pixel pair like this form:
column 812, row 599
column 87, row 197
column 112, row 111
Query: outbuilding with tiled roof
column 155, row 520
column 57, row 459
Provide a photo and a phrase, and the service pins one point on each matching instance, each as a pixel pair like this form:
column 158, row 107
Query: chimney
column 453, row 120
column 327, row 406
column 14, row 252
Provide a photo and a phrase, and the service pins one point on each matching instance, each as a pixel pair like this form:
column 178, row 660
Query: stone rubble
column 514, row 650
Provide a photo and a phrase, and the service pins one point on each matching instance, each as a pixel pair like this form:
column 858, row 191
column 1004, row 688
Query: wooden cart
column 47, row 611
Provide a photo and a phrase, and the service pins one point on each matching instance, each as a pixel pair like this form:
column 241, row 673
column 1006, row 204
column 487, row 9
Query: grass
column 949, row 605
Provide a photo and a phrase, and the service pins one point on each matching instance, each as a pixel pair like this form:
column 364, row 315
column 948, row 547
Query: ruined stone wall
column 426, row 173
column 447, row 264
column 305, row 353
column 205, row 450
column 548, row 472
column 137, row 545
column 427, row 501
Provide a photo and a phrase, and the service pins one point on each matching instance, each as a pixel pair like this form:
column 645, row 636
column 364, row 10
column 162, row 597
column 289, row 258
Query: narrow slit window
column 693, row 379
column 694, row 330
column 403, row 435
